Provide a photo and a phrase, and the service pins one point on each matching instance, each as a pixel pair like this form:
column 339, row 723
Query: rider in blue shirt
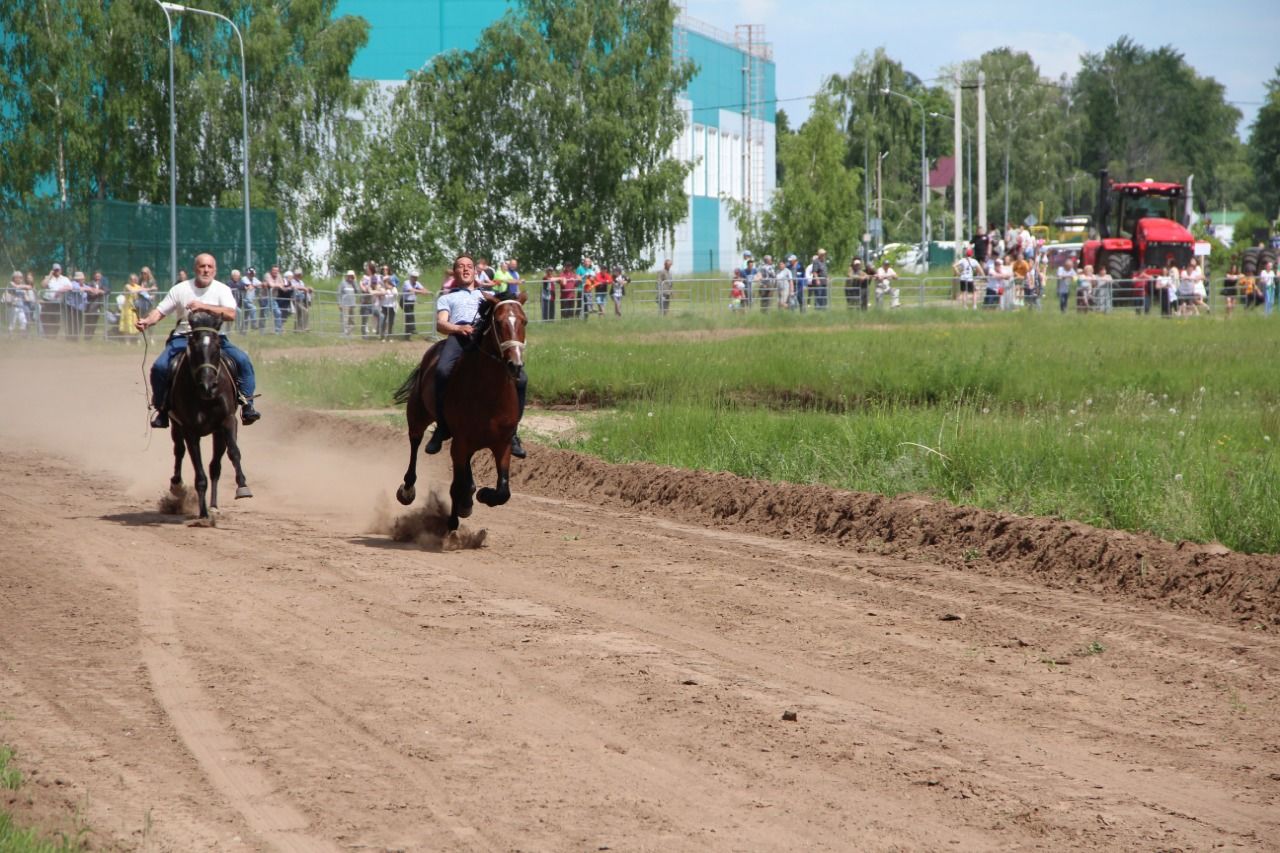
column 458, row 314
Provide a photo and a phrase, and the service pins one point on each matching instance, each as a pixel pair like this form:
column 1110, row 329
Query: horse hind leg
column 233, row 453
column 417, row 417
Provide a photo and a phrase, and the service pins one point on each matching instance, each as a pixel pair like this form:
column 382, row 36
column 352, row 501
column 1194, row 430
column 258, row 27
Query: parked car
column 903, row 257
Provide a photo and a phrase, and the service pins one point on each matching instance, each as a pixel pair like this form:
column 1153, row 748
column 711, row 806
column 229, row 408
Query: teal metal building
column 730, row 105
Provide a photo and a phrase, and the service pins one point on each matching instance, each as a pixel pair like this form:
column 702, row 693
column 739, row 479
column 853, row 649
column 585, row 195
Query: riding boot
column 517, row 449
column 159, row 420
column 248, row 414
column 441, row 433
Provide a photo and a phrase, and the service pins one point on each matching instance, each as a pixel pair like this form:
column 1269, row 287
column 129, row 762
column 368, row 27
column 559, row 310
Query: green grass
column 15, row 839
column 1163, row 426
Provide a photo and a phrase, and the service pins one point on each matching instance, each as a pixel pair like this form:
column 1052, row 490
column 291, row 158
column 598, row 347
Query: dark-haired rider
column 458, row 317
column 202, row 293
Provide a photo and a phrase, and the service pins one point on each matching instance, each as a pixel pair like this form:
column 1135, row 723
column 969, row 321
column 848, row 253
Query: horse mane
column 205, row 319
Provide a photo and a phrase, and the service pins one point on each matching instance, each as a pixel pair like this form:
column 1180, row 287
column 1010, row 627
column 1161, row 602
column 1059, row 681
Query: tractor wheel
column 1251, row 261
column 1264, row 256
column 1118, row 266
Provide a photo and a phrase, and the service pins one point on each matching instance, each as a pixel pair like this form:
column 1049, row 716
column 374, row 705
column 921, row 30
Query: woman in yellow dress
column 129, row 311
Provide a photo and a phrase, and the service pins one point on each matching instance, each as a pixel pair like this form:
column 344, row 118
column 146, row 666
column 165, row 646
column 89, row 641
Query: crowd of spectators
column 583, row 290
column 788, row 284
column 75, row 306
column 275, row 297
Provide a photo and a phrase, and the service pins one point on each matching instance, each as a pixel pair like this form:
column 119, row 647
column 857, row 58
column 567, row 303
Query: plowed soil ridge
column 1207, row 579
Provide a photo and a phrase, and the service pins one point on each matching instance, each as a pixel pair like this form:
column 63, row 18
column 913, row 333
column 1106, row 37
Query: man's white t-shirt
column 55, row 286
column 184, row 293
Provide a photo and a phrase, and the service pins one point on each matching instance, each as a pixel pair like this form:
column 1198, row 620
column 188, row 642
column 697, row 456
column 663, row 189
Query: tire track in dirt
column 225, row 763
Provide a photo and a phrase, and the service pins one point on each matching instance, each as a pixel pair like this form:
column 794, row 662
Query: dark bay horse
column 202, row 401
column 480, row 405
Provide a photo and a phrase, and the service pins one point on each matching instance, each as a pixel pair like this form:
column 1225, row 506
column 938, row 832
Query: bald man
column 202, row 293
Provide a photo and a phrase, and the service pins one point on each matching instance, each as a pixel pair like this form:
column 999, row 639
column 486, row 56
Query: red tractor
column 1140, row 228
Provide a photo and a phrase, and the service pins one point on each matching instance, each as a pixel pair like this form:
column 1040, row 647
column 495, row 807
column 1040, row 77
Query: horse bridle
column 502, row 345
column 217, row 368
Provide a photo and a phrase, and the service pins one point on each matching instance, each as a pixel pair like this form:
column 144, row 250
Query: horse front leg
column 502, row 492
column 463, row 485
column 233, row 453
column 179, row 451
column 202, row 481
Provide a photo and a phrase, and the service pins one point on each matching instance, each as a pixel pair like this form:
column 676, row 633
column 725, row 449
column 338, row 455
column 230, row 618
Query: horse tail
column 409, row 387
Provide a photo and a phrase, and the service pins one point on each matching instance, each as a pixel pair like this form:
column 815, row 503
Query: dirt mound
column 1207, row 579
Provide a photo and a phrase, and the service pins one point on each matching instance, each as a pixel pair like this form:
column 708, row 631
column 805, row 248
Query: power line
column 750, row 104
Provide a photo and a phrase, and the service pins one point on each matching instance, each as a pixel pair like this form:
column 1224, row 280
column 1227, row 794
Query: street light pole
column 244, row 109
column 173, row 152
column 924, row 178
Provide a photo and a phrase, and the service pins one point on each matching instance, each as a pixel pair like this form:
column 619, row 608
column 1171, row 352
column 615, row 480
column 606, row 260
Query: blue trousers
column 162, row 369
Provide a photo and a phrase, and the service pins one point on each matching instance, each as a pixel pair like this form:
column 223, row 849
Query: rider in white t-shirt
column 202, row 293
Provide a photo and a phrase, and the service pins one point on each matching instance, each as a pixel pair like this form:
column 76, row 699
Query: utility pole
column 958, row 193
column 982, row 149
column 880, row 197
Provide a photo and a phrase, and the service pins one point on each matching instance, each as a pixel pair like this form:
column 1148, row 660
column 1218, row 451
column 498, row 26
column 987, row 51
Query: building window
column 726, row 164
column 713, row 163
column 700, row 160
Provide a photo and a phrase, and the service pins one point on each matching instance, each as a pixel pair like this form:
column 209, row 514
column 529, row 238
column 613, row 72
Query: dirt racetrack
column 611, row 670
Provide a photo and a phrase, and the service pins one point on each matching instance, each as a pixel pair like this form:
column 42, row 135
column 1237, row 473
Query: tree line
column 554, row 135
column 1136, row 111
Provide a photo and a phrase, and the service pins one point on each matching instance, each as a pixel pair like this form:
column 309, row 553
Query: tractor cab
column 1130, row 203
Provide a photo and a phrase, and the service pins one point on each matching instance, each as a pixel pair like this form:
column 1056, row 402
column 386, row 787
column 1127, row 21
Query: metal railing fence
column 324, row 314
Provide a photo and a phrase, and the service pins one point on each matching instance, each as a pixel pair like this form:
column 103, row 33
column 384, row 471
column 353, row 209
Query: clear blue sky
column 1237, row 42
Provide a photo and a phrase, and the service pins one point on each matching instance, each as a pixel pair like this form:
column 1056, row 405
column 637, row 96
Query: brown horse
column 480, row 406
column 202, row 401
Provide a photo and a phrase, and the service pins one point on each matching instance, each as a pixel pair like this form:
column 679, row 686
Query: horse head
column 506, row 325
column 204, row 352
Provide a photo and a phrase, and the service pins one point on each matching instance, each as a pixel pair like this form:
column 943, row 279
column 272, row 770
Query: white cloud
column 1056, row 53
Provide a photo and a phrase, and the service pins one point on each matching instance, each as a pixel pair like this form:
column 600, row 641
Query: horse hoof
column 463, row 511
column 207, row 521
column 176, row 488
column 243, row 492
column 406, row 494
column 492, row 497
column 453, row 523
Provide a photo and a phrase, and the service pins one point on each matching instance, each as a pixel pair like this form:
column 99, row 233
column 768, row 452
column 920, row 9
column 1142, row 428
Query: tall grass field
column 1168, row 426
